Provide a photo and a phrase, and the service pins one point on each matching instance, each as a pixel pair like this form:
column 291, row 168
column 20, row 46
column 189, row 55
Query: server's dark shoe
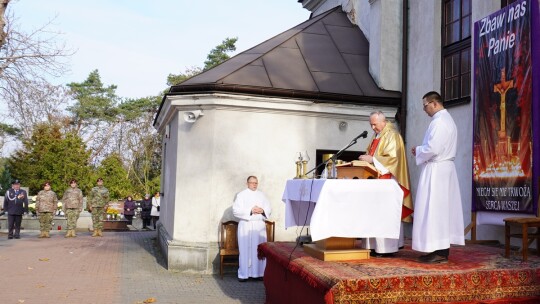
column 17, row 237
column 10, row 237
column 242, row 280
column 381, row 255
column 433, row 259
column 426, row 256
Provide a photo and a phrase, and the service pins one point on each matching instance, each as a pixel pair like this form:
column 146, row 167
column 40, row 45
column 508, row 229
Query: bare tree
column 3, row 7
column 7, row 133
column 27, row 62
column 142, row 153
column 37, row 101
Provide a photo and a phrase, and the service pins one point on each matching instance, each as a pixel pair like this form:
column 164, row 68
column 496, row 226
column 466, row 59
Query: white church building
column 309, row 89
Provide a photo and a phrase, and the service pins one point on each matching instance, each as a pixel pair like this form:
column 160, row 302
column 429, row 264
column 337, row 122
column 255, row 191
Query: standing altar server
column 438, row 216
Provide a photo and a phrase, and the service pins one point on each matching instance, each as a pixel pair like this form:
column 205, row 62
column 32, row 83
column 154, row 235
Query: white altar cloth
column 355, row 208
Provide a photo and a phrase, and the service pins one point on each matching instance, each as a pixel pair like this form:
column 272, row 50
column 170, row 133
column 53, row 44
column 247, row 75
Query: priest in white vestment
column 251, row 207
column 438, row 213
column 387, row 153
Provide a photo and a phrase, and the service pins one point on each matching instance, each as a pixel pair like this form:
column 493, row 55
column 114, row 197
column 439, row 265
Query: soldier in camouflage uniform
column 72, row 206
column 98, row 200
column 46, row 205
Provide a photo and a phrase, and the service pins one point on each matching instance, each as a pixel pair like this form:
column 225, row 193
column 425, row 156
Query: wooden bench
column 524, row 223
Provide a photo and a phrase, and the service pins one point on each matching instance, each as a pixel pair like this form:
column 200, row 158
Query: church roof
column 325, row 59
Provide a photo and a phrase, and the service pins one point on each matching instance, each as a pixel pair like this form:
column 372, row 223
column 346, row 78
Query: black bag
column 157, row 208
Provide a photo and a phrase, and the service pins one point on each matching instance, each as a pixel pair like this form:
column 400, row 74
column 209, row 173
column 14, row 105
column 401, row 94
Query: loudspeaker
column 192, row 116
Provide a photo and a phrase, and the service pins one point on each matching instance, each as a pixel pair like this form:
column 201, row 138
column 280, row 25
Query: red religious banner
column 503, row 111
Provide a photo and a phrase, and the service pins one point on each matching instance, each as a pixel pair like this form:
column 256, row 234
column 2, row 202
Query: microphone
column 363, row 134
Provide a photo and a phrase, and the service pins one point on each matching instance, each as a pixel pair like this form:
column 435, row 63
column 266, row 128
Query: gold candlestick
column 298, row 165
column 304, row 169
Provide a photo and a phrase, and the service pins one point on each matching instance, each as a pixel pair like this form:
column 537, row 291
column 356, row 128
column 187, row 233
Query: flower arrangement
column 112, row 211
column 32, row 207
column 59, row 210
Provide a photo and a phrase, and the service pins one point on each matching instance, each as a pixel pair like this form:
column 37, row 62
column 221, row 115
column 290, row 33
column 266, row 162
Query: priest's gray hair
column 380, row 114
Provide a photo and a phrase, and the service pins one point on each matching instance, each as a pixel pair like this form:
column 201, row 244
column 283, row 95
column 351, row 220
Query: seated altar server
column 251, row 207
column 387, row 153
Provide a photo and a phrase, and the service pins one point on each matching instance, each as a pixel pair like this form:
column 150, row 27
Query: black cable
column 333, row 158
column 303, row 226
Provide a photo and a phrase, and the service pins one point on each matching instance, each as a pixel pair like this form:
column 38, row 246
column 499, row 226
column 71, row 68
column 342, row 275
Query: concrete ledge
column 187, row 257
column 33, row 223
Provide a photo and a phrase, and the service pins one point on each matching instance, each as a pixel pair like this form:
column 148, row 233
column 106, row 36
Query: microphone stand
column 301, row 240
column 334, row 157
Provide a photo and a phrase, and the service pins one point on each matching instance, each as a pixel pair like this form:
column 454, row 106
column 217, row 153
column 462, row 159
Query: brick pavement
column 121, row 267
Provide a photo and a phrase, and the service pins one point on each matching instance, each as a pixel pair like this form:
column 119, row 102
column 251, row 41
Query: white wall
column 240, row 136
column 374, row 17
column 378, row 21
column 425, row 75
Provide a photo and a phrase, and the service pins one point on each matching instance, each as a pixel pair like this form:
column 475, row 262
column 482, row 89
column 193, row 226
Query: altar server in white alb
column 438, row 213
column 251, row 207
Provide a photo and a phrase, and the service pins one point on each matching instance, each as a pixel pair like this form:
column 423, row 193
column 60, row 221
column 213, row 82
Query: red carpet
column 473, row 274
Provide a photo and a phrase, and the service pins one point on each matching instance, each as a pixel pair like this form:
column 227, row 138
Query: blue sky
column 135, row 44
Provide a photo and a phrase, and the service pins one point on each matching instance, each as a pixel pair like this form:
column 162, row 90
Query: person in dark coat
column 146, row 208
column 129, row 209
column 15, row 204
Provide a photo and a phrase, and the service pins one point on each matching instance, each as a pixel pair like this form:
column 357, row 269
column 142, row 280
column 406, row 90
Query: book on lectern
column 357, row 163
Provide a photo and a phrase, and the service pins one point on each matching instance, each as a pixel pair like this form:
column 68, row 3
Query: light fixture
column 192, row 116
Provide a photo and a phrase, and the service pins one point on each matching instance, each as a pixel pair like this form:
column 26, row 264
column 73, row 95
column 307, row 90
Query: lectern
column 357, row 170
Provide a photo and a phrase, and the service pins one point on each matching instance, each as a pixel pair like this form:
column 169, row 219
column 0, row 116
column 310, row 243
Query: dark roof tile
column 325, row 59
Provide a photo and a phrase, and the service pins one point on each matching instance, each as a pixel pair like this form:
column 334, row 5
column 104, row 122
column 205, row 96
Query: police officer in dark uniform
column 16, row 204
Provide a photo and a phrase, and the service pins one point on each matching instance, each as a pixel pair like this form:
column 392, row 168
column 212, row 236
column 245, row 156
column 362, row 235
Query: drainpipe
column 404, row 69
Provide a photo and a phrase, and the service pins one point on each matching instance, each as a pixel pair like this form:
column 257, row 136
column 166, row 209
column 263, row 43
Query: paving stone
column 121, row 267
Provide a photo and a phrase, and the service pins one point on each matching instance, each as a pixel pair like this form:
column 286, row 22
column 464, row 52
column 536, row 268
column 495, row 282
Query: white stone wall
column 375, row 17
column 385, row 49
column 424, row 72
column 381, row 23
column 425, row 75
column 238, row 136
